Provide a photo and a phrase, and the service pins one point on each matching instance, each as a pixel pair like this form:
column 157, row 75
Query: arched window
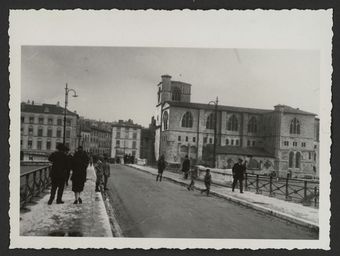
column 253, row 164
column 232, row 123
column 294, row 127
column 297, row 160
column 184, row 149
column 176, row 93
column 210, row 124
column 252, row 125
column 291, row 159
column 230, row 163
column 165, row 120
column 187, row 120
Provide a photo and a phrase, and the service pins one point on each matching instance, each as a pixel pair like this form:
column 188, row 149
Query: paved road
column 146, row 208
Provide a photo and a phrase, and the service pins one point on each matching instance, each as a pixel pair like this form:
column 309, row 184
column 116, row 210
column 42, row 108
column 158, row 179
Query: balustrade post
column 315, row 196
column 40, row 181
column 246, row 182
column 287, row 191
column 33, row 184
column 257, row 184
column 271, row 186
column 305, row 199
column 26, row 188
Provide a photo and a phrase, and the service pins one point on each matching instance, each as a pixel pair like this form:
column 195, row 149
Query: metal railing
column 295, row 190
column 34, row 182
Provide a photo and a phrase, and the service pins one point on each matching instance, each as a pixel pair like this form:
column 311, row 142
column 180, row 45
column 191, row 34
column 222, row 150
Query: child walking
column 207, row 182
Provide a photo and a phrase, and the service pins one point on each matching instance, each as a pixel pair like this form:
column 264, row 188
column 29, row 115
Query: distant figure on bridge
column 80, row 162
column 161, row 166
column 106, row 170
column 193, row 176
column 98, row 166
column 207, row 182
column 239, row 170
column 58, row 173
column 186, row 167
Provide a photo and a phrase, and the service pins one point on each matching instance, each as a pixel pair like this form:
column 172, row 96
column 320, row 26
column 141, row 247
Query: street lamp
column 67, row 90
column 215, row 130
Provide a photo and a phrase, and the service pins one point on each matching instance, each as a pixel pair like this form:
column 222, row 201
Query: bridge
column 137, row 206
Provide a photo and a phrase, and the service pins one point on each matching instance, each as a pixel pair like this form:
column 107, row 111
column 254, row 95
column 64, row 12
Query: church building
column 282, row 140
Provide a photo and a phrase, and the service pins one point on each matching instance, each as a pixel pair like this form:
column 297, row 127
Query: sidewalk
column 296, row 213
column 88, row 219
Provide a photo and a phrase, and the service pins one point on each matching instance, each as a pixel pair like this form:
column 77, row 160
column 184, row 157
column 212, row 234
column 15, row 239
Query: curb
column 298, row 221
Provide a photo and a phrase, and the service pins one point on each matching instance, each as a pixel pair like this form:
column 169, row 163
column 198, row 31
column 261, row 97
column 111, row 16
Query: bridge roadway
column 146, row 208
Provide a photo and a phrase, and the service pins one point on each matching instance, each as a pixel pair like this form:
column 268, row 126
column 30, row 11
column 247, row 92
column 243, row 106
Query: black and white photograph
column 207, row 129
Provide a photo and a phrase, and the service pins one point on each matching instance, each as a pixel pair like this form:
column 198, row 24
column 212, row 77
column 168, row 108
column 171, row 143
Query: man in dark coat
column 186, row 167
column 58, row 173
column 239, row 170
column 161, row 166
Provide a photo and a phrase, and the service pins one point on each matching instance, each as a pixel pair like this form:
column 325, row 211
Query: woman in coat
column 79, row 167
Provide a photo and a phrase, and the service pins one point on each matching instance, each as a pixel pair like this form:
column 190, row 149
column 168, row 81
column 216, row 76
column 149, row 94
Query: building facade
column 147, row 150
column 100, row 141
column 126, row 138
column 42, row 128
column 283, row 140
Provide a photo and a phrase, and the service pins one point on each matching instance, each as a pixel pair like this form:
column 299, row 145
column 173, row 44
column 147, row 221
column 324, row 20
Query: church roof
column 285, row 108
column 291, row 110
column 248, row 151
column 220, row 107
column 45, row 109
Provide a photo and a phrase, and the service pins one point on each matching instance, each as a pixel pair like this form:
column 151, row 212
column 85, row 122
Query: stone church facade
column 283, row 140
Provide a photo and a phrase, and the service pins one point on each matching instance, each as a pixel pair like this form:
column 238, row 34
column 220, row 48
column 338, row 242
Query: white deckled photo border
column 251, row 29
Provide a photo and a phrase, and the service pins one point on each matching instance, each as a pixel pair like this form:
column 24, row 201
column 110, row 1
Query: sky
column 121, row 82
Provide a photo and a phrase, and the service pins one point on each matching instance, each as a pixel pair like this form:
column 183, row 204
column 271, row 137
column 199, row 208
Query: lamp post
column 215, row 130
column 67, row 90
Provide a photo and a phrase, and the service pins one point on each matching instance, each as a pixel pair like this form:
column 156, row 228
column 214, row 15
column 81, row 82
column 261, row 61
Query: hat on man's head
column 60, row 147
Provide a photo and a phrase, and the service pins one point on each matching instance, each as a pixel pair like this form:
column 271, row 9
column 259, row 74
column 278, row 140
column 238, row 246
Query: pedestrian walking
column 239, row 170
column 58, row 173
column 186, row 167
column 207, row 182
column 193, row 176
column 69, row 164
column 80, row 162
column 107, row 171
column 98, row 166
column 161, row 167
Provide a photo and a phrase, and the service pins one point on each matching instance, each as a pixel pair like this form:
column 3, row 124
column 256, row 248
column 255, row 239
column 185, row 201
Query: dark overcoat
column 80, row 162
column 59, row 165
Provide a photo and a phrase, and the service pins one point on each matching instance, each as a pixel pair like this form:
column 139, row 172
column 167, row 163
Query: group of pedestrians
column 238, row 172
column 102, row 168
column 62, row 164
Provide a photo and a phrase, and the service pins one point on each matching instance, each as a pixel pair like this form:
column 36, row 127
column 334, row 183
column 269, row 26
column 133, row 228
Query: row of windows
column 123, row 145
column 187, row 138
column 48, row 133
column 295, row 144
column 41, row 120
column 134, row 135
column 119, row 129
column 295, row 159
column 232, row 123
column 39, row 145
